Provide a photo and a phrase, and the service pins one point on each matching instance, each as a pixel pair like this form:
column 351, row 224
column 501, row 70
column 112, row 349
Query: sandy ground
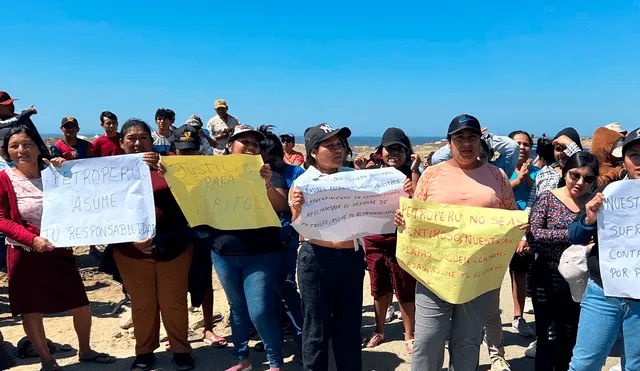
column 108, row 337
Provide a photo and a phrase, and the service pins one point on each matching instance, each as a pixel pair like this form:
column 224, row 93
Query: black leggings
column 553, row 304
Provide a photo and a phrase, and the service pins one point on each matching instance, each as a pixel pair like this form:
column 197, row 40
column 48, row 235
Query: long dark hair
column 31, row 134
column 579, row 160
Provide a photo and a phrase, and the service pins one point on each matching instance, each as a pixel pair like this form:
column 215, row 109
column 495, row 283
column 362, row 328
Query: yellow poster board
column 224, row 192
column 458, row 252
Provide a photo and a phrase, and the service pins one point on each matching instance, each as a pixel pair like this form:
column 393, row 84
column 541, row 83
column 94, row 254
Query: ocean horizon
column 369, row 141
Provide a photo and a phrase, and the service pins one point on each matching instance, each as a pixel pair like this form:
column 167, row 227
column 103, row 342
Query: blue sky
column 367, row 65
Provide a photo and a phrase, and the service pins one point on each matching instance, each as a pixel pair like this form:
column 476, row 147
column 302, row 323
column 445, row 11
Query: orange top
column 486, row 186
column 296, row 158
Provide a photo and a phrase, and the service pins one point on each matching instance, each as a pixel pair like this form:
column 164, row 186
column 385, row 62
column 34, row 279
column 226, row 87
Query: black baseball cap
column 69, row 120
column 319, row 133
column 464, row 122
column 393, row 136
column 632, row 138
column 185, row 137
column 5, row 98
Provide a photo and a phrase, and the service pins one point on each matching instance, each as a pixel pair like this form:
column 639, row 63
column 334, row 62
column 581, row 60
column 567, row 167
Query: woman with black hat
column 466, row 181
column 386, row 275
column 330, row 274
column 247, row 262
column 611, row 314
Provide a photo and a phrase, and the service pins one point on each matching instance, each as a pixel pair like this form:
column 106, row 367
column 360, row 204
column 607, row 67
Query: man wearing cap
column 70, row 147
column 9, row 119
column 221, row 126
column 206, row 143
column 291, row 156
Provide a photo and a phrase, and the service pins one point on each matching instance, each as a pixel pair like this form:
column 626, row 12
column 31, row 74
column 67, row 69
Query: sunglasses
column 586, row 178
column 286, row 140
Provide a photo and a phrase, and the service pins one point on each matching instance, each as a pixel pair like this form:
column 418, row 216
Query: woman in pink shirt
column 467, row 181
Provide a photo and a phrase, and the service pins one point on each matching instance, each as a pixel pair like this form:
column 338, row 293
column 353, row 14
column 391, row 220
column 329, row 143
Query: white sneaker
column 528, row 306
column 391, row 314
column 617, row 367
column 531, row 350
column 523, row 328
column 500, row 364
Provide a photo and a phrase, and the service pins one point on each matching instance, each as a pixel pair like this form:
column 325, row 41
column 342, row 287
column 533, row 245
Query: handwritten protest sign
column 224, row 192
column 98, row 201
column 458, row 252
column 619, row 239
column 349, row 205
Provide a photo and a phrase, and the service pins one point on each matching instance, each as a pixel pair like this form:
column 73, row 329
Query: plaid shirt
column 548, row 177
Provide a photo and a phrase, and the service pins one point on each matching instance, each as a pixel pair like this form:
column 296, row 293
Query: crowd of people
column 560, row 186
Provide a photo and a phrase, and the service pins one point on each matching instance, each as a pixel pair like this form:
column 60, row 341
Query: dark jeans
column 331, row 290
column 552, row 304
column 288, row 289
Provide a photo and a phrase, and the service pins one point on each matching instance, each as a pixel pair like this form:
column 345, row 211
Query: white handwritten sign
column 98, row 201
column 619, row 239
column 349, row 205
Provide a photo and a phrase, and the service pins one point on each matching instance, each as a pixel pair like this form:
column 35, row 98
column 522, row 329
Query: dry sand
column 108, row 337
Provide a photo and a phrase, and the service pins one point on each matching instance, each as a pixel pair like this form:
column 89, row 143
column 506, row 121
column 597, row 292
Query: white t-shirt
column 216, row 126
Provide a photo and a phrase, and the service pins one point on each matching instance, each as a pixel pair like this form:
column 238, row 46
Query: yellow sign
column 224, row 192
column 458, row 252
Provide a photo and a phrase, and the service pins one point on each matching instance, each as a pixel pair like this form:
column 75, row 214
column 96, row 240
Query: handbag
column 573, row 268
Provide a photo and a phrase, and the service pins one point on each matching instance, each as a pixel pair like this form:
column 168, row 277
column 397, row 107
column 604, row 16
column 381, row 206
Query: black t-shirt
column 250, row 241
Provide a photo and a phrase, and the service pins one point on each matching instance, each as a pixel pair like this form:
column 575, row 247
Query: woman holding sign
column 155, row 271
column 550, row 218
column 330, row 274
column 386, row 275
column 463, row 180
column 247, row 262
column 42, row 279
column 602, row 318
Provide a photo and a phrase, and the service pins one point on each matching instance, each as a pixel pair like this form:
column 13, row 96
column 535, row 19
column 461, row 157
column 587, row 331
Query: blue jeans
column 601, row 320
column 250, row 283
column 288, row 288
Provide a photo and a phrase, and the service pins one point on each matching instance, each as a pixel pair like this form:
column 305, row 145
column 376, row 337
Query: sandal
column 408, row 346
column 100, row 358
column 374, row 340
column 51, row 366
column 215, row 341
column 143, row 362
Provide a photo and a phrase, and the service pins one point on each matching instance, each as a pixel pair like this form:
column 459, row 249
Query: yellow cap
column 220, row 103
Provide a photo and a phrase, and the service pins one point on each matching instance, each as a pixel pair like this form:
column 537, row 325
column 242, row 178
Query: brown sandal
column 374, row 340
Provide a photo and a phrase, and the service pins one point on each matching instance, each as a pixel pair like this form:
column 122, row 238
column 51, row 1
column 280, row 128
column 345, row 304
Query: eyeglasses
column 286, row 140
column 586, row 178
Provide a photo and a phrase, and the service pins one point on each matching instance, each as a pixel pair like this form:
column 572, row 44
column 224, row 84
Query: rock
column 127, row 323
column 117, row 335
column 198, row 324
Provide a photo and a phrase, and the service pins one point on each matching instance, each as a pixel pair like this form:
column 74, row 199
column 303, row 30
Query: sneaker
column 391, row 314
column 617, row 367
column 523, row 328
column 500, row 364
column 485, row 341
column 528, row 306
column 531, row 350
column 183, row 362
